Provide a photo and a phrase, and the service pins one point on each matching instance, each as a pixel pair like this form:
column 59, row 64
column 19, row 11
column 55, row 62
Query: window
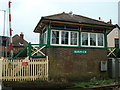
column 45, row 37
column 55, row 37
column 73, row 38
column 84, row 38
column 64, row 38
column 100, row 39
column 116, row 42
column 92, row 39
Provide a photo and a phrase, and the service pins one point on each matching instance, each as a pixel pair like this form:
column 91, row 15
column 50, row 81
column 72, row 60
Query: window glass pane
column 100, row 40
column 45, row 38
column 55, row 37
column 64, row 37
column 84, row 38
column 116, row 42
column 73, row 38
column 93, row 39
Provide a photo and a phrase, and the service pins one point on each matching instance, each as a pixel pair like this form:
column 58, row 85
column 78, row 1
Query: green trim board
column 48, row 36
column 65, row 46
column 94, row 47
column 105, row 40
column 79, row 40
column 66, row 29
column 93, row 31
column 22, row 52
column 78, row 47
column 79, row 51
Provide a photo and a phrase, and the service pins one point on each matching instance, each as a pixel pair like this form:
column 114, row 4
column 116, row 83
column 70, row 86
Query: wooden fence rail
column 17, row 70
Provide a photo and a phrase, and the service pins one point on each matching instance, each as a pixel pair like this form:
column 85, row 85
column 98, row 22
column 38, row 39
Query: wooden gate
column 17, row 70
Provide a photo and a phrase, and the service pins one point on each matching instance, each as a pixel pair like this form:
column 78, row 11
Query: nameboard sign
column 80, row 51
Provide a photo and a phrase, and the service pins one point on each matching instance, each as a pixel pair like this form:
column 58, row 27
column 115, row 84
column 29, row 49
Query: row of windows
column 92, row 39
column 64, row 38
column 71, row 38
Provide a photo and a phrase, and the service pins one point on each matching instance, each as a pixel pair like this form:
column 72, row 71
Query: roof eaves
column 38, row 24
column 99, row 24
column 117, row 26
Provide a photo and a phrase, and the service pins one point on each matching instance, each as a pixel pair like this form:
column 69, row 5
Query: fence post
column 1, row 59
column 47, row 67
column 29, row 50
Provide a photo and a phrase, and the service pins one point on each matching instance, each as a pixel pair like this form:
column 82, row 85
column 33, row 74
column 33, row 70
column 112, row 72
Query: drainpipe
column 118, row 26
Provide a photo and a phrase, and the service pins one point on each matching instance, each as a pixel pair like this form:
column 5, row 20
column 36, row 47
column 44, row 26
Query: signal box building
column 75, row 45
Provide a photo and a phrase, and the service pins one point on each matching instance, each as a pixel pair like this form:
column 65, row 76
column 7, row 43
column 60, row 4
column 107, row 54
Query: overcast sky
column 27, row 13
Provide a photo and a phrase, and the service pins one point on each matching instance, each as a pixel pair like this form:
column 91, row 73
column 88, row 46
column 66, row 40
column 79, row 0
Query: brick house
column 114, row 37
column 75, row 45
column 19, row 43
column 4, row 43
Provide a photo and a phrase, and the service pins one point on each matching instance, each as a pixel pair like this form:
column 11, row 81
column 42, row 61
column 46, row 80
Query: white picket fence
column 17, row 70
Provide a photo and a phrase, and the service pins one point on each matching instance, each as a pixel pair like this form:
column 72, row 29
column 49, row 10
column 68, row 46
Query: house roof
column 17, row 41
column 118, row 26
column 73, row 18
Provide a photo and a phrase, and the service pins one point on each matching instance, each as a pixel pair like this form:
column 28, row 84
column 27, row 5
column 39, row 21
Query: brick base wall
column 64, row 64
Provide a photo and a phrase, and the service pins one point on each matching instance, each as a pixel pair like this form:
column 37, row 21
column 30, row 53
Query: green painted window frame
column 45, row 34
column 69, row 39
column 96, row 37
column 79, row 40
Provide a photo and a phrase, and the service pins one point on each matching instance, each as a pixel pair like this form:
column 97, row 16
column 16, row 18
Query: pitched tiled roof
column 75, row 18
column 72, row 18
column 16, row 41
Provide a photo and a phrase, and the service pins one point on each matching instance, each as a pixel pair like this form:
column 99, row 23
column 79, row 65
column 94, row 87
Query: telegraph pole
column 3, row 32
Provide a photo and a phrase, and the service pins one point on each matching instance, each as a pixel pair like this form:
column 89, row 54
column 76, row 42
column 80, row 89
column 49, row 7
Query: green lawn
column 94, row 83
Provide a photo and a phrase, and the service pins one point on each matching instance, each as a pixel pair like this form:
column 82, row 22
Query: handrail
column 29, row 46
column 20, row 52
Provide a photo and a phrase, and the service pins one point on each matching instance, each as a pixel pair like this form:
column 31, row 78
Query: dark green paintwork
column 77, row 51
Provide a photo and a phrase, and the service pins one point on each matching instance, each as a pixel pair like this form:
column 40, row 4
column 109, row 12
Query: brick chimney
column 110, row 21
column 21, row 38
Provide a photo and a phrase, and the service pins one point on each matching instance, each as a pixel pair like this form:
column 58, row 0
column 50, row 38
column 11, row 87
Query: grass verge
column 94, row 83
